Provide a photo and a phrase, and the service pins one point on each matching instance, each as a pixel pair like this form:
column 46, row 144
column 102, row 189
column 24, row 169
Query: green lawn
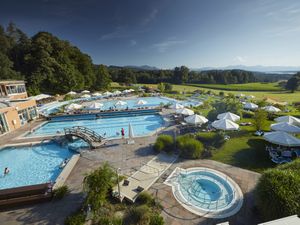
column 276, row 95
column 247, row 152
column 242, row 87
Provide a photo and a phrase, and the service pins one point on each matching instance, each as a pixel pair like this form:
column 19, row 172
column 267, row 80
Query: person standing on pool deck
column 123, row 133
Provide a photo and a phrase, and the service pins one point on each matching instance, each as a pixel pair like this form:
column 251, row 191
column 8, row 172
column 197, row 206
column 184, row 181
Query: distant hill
column 258, row 68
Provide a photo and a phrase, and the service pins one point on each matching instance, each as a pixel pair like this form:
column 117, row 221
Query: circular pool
column 206, row 192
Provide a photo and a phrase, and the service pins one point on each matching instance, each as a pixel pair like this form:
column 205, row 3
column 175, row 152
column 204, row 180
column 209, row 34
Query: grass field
column 276, row 95
column 242, row 87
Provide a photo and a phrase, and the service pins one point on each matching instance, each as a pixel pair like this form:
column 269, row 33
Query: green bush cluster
column 77, row 218
column 164, row 143
column 278, row 191
column 189, row 147
column 60, row 192
column 210, row 139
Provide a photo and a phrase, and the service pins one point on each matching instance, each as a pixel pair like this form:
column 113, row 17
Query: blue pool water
column 31, row 165
column 107, row 127
column 205, row 190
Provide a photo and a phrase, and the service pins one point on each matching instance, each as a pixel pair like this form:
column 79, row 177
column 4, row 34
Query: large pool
column 30, row 165
column 107, row 127
column 206, row 192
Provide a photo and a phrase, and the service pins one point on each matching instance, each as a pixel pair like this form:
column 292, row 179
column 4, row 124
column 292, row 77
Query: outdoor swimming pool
column 30, row 165
column 206, row 192
column 107, row 127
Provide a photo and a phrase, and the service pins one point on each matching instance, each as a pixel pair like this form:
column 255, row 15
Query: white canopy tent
column 286, row 127
column 271, row 109
column 282, row 138
column 289, row 119
column 85, row 96
column 85, row 92
column 141, row 102
column 72, row 93
column 185, row 111
column 40, row 97
column 73, row 106
column 120, row 103
column 176, row 106
column 107, row 93
column 196, row 119
column 251, row 106
column 95, row 105
column 96, row 94
column 229, row 116
column 225, row 124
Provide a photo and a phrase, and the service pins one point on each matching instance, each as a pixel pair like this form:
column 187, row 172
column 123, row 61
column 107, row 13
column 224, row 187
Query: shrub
column 60, row 192
column 75, row 219
column 68, row 97
column 110, row 221
column 164, row 143
column 189, row 147
column 278, row 193
column 138, row 215
column 210, row 140
column 145, row 198
column 156, row 219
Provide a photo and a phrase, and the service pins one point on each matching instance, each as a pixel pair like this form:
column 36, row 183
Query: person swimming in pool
column 64, row 163
column 6, row 171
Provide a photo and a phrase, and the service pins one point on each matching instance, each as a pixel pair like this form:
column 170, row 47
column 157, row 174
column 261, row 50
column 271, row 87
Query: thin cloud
column 165, row 45
column 240, row 59
column 150, row 17
column 119, row 32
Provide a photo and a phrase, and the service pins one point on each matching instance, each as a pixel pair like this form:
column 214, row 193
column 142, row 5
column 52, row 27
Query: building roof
column 4, row 105
column 5, row 82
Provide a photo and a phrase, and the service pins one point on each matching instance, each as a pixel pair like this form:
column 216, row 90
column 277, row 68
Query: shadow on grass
column 255, row 157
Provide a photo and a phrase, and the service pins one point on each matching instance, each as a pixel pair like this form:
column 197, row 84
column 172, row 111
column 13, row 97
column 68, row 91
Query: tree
column 181, row 74
column 260, row 119
column 168, row 87
column 103, row 79
column 161, row 87
column 98, row 184
column 293, row 83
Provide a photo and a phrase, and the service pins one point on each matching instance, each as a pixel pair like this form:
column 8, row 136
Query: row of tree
column 47, row 63
column 180, row 75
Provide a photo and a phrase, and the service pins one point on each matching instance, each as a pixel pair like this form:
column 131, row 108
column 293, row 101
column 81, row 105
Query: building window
column 15, row 89
column 3, row 124
column 23, row 116
column 32, row 112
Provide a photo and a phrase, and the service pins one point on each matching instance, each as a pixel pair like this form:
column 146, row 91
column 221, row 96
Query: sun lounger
column 281, row 160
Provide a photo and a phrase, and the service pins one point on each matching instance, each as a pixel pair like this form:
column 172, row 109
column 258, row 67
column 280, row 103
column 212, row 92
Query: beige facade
column 15, row 109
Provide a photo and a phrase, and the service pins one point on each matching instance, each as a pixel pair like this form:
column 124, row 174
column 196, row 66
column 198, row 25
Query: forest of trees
column 181, row 75
column 51, row 65
column 47, row 63
column 293, row 83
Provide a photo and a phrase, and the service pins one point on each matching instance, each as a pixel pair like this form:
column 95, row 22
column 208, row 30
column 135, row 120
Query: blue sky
column 168, row 33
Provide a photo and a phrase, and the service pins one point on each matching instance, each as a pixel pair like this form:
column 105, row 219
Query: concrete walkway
column 145, row 176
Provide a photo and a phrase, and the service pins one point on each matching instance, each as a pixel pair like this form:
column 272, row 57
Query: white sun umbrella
column 85, row 92
column 250, row 105
column 251, row 97
column 141, row 102
column 126, row 91
column 282, row 138
column 131, row 90
column 185, row 111
column 71, row 93
column 95, row 105
column 271, row 109
column 225, row 124
column 196, row 119
column 107, row 93
column 241, row 95
column 120, row 103
column 96, row 94
column 117, row 92
column 176, row 106
column 229, row 116
column 85, row 96
column 286, row 127
column 73, row 106
column 289, row 119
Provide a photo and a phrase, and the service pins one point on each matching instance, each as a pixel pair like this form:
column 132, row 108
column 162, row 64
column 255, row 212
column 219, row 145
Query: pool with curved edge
column 206, row 192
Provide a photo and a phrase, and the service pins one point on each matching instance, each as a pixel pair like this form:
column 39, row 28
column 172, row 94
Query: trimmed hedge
column 164, row 143
column 278, row 191
column 189, row 147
